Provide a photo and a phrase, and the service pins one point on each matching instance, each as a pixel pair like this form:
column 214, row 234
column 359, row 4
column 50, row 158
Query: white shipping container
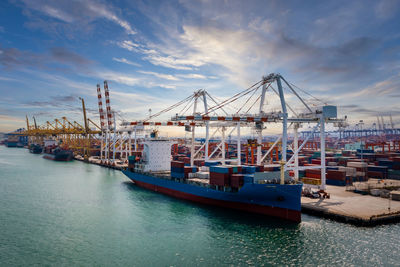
column 350, row 171
column 204, row 168
column 192, row 174
column 357, row 164
column 203, row 175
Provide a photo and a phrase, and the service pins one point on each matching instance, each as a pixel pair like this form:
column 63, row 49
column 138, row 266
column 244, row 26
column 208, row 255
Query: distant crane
column 391, row 122
column 379, row 123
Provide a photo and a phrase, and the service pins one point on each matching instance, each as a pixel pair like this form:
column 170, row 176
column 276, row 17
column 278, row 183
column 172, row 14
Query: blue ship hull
column 282, row 201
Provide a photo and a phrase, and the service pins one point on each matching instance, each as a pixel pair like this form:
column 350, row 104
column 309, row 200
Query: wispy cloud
column 129, row 45
column 106, row 13
column 78, row 13
column 14, row 58
column 120, row 78
column 192, row 76
column 160, row 75
column 386, row 9
column 62, row 54
column 124, row 60
column 10, row 118
column 7, row 79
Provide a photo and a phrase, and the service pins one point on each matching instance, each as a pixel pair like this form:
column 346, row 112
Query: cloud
column 106, row 13
column 58, row 101
column 10, row 118
column 14, row 58
column 63, row 55
column 128, row 45
column 192, row 76
column 65, row 98
column 126, row 96
column 160, row 75
column 10, row 123
column 261, row 25
column 78, row 13
column 124, row 60
column 386, row 9
column 56, row 13
column 384, row 88
column 119, row 78
column 239, row 53
column 7, row 79
column 155, row 56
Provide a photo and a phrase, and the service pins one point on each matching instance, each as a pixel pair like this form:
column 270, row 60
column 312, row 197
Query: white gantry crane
column 217, row 117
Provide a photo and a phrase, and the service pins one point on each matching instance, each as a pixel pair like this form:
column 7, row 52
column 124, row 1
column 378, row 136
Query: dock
column 353, row 208
column 118, row 165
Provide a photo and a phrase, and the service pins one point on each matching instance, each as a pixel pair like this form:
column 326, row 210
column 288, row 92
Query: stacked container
column 178, row 169
column 379, row 172
column 219, row 175
column 190, row 169
column 336, row 177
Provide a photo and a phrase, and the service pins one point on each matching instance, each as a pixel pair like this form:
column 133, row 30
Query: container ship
column 12, row 141
column 35, row 149
column 58, row 154
column 53, row 152
column 243, row 188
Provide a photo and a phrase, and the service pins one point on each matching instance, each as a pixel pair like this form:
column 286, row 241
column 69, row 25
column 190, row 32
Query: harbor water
column 73, row 213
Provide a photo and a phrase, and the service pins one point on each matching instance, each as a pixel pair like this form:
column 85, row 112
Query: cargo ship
column 12, row 140
column 243, row 188
column 35, row 148
column 53, row 152
column 59, row 154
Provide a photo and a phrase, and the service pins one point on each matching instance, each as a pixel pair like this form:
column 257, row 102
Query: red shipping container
column 269, row 169
column 372, row 174
column 316, row 161
column 178, row 164
column 236, row 180
column 313, row 175
column 330, row 159
column 336, row 175
column 313, row 170
column 220, row 179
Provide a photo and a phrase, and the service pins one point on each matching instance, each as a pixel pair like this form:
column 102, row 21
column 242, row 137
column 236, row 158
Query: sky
column 156, row 53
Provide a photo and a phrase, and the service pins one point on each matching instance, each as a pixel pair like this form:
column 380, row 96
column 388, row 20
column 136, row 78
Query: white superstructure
column 157, row 155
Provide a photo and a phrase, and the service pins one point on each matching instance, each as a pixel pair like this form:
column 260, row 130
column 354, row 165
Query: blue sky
column 155, row 53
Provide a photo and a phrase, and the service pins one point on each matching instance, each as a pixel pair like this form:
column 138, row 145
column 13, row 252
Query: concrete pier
column 354, row 208
column 119, row 165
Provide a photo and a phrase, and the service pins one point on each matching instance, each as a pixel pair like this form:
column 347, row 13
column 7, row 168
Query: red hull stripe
column 287, row 214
